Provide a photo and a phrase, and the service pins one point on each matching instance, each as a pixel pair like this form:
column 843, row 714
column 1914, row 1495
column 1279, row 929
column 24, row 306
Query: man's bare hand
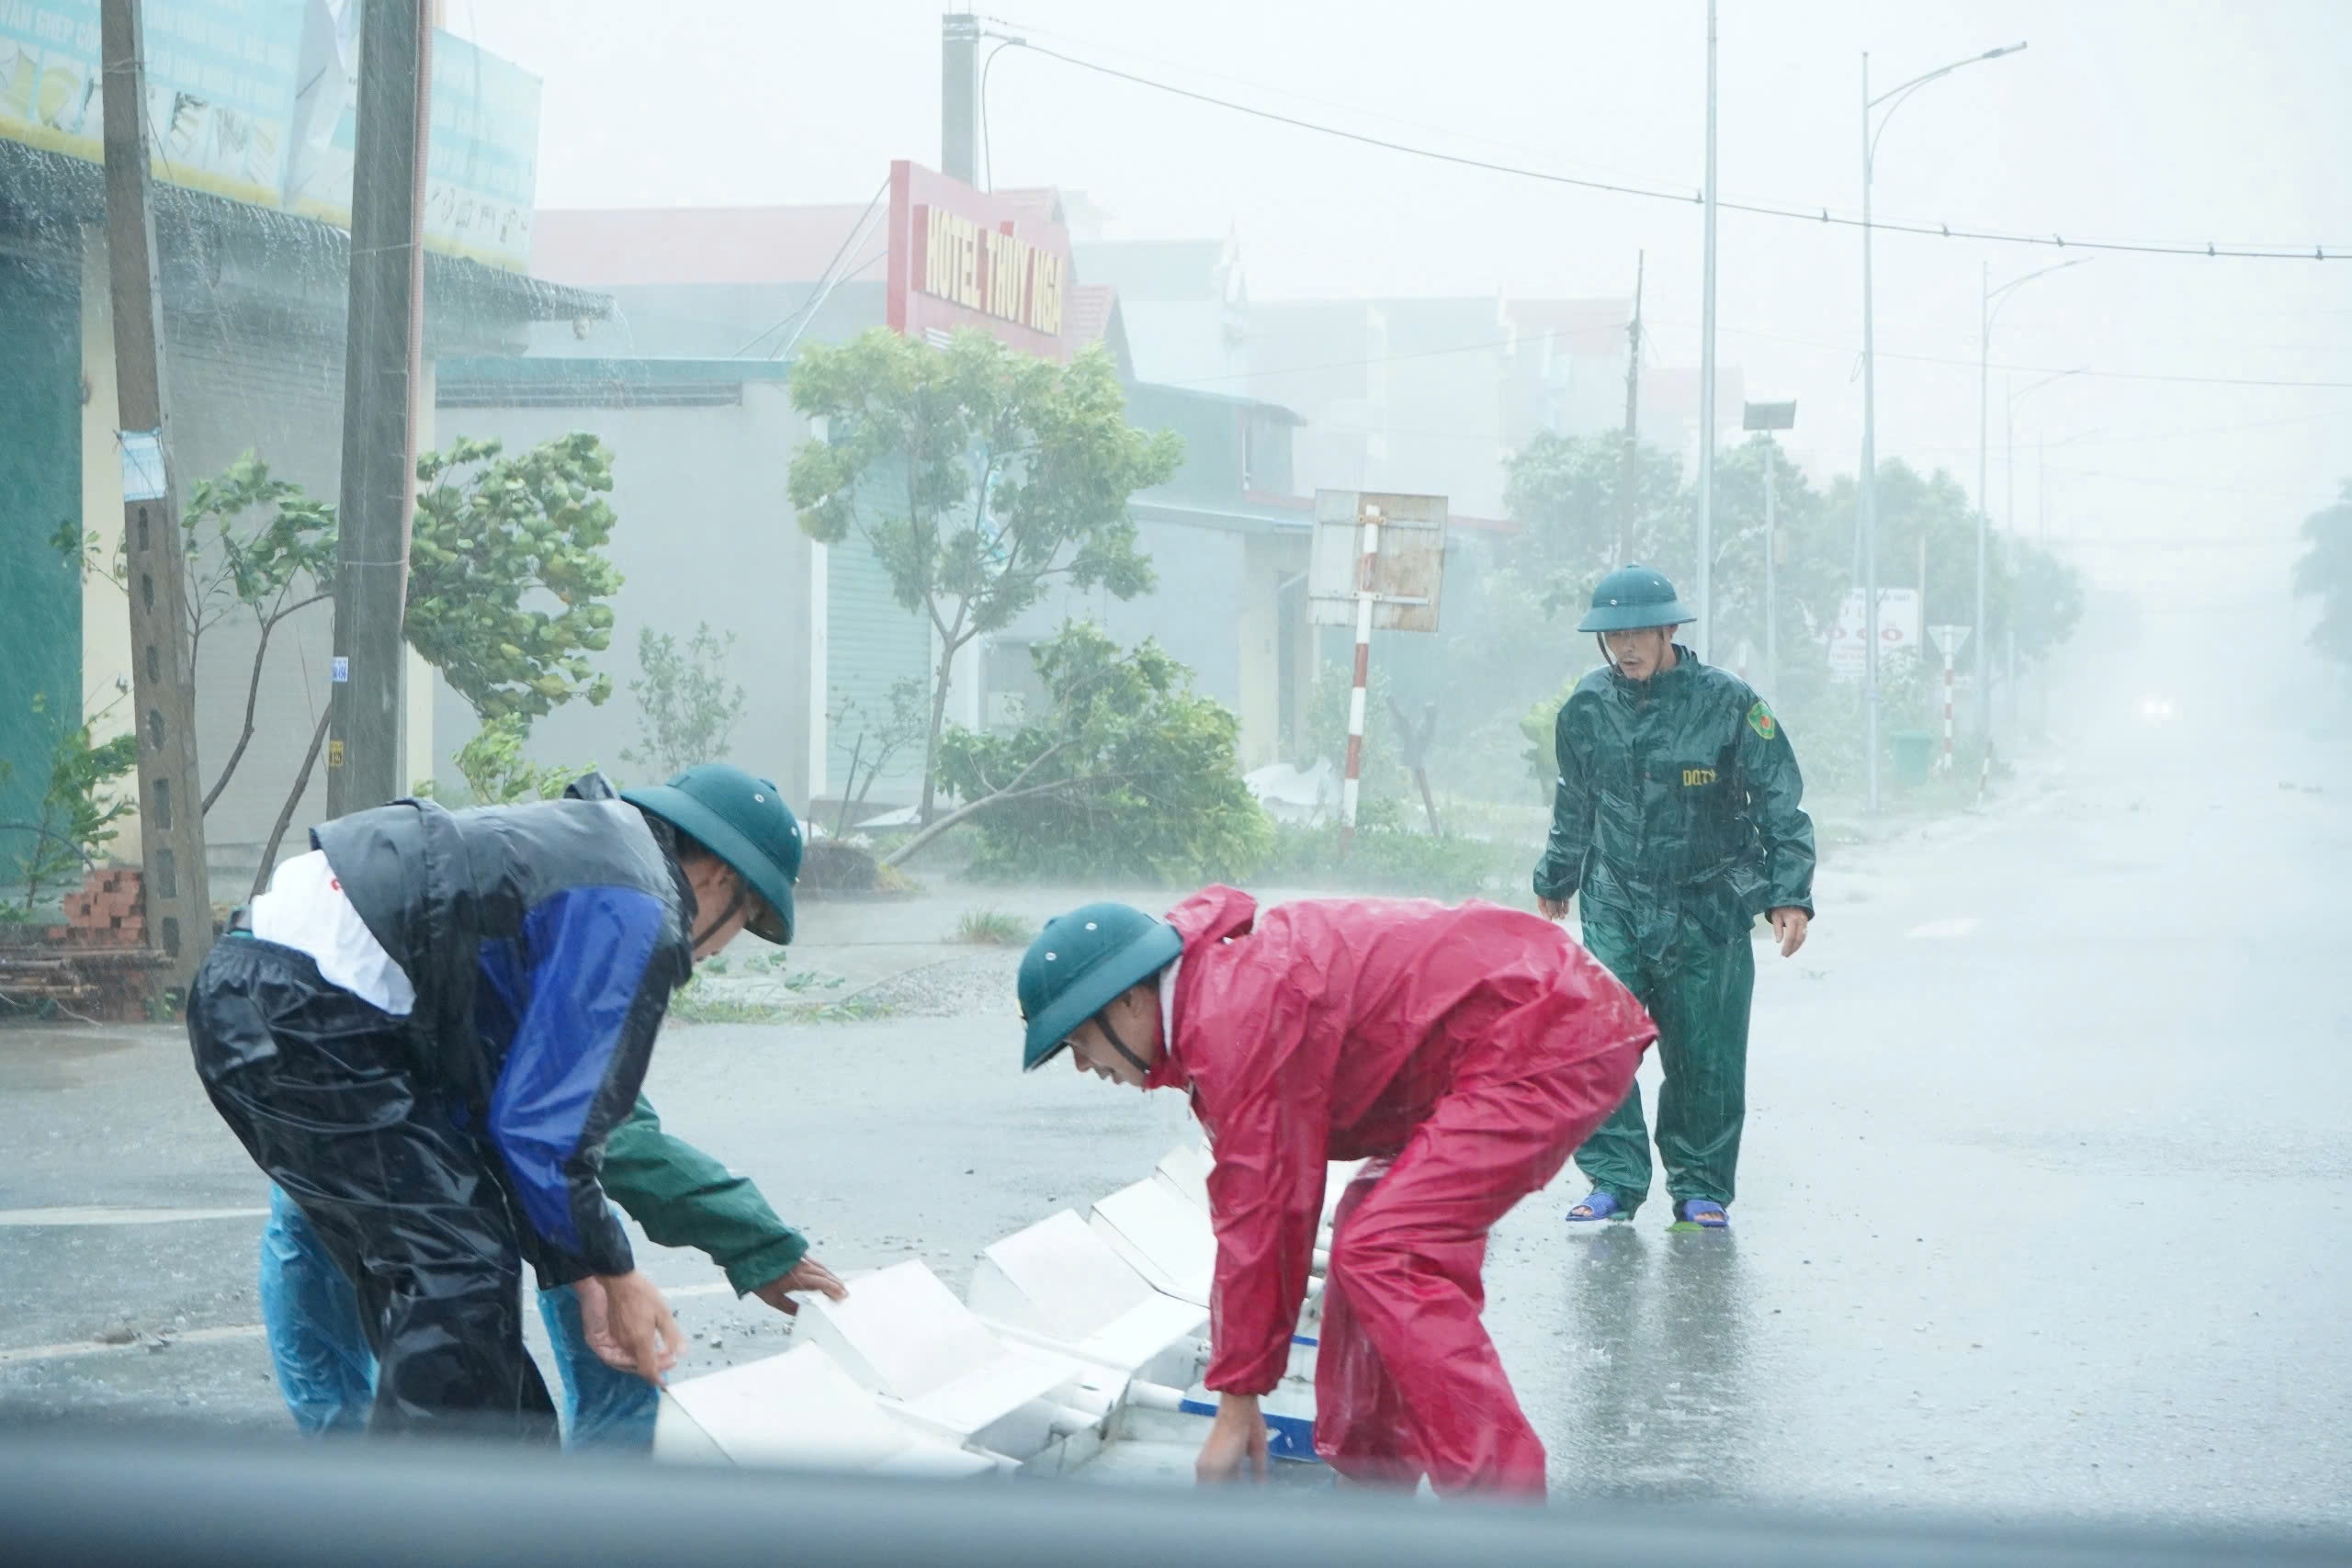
column 1236, row 1449
column 807, row 1275
column 627, row 1324
column 1789, row 925
column 1553, row 908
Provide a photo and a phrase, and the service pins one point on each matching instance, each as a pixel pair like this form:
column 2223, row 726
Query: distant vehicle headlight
column 2158, row 710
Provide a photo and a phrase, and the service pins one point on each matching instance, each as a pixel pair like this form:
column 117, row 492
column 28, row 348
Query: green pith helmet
column 1080, row 965
column 1632, row 597
column 744, row 822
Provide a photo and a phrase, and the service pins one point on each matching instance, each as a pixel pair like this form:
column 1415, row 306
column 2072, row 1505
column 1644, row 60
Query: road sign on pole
column 1378, row 562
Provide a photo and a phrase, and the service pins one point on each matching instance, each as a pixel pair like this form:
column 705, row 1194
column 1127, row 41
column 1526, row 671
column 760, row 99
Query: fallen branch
column 1009, row 794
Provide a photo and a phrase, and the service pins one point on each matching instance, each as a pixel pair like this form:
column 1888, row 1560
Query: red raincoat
column 1467, row 1051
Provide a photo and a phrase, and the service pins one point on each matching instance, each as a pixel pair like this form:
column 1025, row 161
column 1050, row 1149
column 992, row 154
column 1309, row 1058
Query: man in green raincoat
column 1676, row 821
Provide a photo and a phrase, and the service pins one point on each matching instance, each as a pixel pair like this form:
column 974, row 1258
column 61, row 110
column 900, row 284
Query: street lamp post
column 1706, row 638
column 2010, row 399
column 1892, row 98
column 1988, row 310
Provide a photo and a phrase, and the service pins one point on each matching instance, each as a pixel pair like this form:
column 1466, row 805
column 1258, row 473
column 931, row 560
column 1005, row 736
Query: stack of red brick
column 109, row 911
column 104, row 967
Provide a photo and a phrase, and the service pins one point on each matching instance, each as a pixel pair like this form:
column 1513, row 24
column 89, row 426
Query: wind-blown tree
column 1125, row 770
column 2325, row 572
column 496, row 541
column 495, row 538
column 978, row 475
column 1565, row 490
column 253, row 543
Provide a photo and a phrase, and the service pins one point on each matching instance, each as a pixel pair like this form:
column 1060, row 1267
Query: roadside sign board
column 1898, row 630
column 1408, row 570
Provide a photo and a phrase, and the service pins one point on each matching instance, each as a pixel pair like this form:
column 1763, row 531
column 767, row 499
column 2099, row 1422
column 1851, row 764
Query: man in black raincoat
column 1678, row 820
column 426, row 1028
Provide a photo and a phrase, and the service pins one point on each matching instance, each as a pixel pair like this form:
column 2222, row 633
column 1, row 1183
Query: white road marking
column 66, row 1348
column 1934, row 929
column 119, row 1215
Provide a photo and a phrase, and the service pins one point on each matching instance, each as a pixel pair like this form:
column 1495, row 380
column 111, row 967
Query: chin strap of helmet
column 734, row 907
column 1103, row 1021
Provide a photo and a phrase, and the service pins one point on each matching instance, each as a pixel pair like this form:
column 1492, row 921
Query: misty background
column 2210, row 415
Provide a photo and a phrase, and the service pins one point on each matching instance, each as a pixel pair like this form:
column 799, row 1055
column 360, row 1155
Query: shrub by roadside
column 1388, row 859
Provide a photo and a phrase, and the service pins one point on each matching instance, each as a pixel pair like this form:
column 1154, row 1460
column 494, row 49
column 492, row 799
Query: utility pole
column 959, row 96
column 172, row 880
column 1983, row 715
column 381, row 374
column 1771, row 417
column 1707, row 380
column 1628, row 467
column 1867, row 493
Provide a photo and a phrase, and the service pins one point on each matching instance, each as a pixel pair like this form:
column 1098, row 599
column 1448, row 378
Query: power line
column 1485, row 344
column 1822, row 216
column 824, row 283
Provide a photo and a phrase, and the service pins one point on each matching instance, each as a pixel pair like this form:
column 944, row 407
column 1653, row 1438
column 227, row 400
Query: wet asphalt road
column 2042, row 1209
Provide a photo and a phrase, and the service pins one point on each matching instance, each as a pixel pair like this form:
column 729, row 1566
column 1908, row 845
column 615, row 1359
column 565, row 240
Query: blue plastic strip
column 1287, row 1437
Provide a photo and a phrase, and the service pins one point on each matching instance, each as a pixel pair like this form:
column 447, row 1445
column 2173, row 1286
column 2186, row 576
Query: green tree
column 2325, row 572
column 978, row 475
column 80, row 806
column 686, row 707
column 253, row 543
column 1565, row 490
column 1127, row 772
column 496, row 541
column 495, row 538
column 497, row 773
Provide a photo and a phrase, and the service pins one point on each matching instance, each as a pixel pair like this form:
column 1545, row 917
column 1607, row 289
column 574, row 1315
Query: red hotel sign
column 960, row 257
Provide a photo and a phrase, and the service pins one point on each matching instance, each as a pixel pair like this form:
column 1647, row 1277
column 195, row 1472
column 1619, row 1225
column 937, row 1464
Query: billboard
column 255, row 100
column 481, row 168
column 219, row 87
column 961, row 257
column 1898, row 630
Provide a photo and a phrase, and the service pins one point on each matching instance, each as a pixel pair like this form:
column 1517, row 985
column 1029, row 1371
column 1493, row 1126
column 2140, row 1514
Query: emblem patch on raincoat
column 1760, row 719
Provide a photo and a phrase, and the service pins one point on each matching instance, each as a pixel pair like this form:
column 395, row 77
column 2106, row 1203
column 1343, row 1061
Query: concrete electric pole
column 175, row 885
column 382, row 342
column 959, row 97
column 171, row 802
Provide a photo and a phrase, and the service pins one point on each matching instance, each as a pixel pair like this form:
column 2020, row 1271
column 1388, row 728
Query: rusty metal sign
column 1408, row 562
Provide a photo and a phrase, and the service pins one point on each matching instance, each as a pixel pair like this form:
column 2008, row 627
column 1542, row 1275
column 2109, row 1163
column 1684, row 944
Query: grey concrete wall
column 705, row 535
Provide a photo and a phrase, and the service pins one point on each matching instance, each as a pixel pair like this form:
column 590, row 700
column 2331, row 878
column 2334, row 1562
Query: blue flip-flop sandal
column 1598, row 1205
column 1704, row 1213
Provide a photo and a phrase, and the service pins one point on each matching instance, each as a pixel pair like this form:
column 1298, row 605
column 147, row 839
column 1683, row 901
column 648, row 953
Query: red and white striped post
column 1949, row 639
column 1366, row 595
column 1947, row 758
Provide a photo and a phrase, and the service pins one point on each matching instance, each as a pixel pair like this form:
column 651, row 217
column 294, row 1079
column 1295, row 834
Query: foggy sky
column 2182, row 120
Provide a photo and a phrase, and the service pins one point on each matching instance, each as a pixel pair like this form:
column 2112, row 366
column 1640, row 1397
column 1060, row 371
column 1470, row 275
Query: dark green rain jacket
column 684, row 1198
column 1678, row 800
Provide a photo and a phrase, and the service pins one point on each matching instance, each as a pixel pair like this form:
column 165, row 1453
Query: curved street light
column 1892, row 98
column 1989, row 312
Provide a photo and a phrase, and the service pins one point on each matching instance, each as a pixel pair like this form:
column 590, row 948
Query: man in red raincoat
column 1466, row 1052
